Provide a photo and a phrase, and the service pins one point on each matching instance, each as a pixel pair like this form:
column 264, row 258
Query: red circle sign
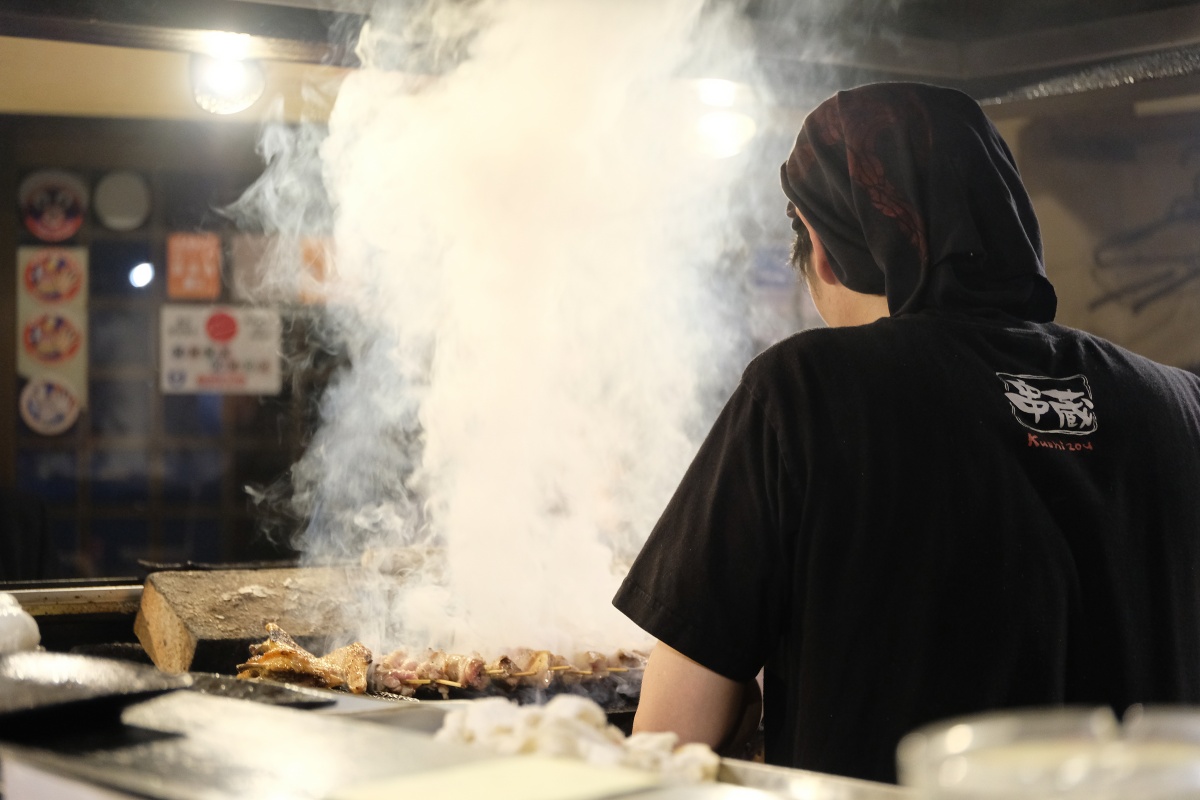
column 53, row 276
column 51, row 338
column 221, row 327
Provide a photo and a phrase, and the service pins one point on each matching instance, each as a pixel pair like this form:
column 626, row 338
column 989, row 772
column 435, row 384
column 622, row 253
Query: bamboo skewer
column 500, row 673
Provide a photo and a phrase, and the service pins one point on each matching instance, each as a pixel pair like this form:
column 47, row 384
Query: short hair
column 802, row 250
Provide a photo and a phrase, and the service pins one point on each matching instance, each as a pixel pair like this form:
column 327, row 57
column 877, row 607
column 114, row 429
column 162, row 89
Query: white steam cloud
column 527, row 279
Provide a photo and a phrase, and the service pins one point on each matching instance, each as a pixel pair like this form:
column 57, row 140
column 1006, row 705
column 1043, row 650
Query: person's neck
column 867, row 308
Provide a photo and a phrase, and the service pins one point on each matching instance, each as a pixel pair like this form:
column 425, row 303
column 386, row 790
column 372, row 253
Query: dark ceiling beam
column 277, row 33
column 902, row 55
column 962, row 62
column 1134, row 48
column 1102, row 40
column 117, row 34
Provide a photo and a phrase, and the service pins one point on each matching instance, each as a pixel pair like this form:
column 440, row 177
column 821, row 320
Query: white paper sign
column 220, row 349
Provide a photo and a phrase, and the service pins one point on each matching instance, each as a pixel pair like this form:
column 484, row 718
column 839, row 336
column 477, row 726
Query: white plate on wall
column 122, row 201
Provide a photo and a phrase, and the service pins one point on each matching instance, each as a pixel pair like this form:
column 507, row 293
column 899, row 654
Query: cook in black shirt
column 944, row 503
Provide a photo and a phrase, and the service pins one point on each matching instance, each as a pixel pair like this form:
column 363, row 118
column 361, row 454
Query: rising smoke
column 528, row 283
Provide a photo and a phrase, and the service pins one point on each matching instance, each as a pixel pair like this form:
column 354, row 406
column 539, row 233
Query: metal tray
column 267, row 692
column 39, row 689
column 806, row 785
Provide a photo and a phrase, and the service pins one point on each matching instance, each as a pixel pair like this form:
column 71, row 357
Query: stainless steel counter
column 426, row 717
column 191, row 746
column 805, row 785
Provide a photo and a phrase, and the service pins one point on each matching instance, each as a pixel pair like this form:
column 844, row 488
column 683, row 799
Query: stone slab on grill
column 206, row 621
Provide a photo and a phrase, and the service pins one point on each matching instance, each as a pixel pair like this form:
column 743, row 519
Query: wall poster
column 220, row 349
column 52, row 330
column 193, row 266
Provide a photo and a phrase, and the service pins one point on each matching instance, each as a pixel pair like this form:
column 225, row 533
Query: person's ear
column 821, row 267
column 818, row 262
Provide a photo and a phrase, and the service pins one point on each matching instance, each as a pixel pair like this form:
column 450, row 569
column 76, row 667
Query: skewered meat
column 279, row 658
column 353, row 663
column 402, row 673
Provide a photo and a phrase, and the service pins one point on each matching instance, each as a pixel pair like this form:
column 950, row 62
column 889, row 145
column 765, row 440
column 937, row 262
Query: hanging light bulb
column 224, row 81
column 722, row 134
column 717, row 92
column 723, row 127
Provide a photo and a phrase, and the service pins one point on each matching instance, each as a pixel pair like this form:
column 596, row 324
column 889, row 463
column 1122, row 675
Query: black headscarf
column 915, row 196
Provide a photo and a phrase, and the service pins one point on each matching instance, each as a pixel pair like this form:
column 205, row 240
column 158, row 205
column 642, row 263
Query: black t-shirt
column 935, row 515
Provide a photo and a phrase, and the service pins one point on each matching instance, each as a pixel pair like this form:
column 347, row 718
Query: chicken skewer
column 523, row 668
column 280, row 658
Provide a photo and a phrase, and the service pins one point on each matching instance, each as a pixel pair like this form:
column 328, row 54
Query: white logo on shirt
column 1051, row 405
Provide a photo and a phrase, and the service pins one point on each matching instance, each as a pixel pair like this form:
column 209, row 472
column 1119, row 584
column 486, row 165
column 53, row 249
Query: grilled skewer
column 399, row 672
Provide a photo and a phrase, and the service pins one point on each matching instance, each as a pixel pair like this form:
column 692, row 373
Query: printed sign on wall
column 52, row 336
column 193, row 266
column 273, row 270
column 220, row 349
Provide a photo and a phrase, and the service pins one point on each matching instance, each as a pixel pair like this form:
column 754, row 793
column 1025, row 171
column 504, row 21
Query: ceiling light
column 717, row 92
column 226, row 45
column 226, row 85
column 721, row 134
